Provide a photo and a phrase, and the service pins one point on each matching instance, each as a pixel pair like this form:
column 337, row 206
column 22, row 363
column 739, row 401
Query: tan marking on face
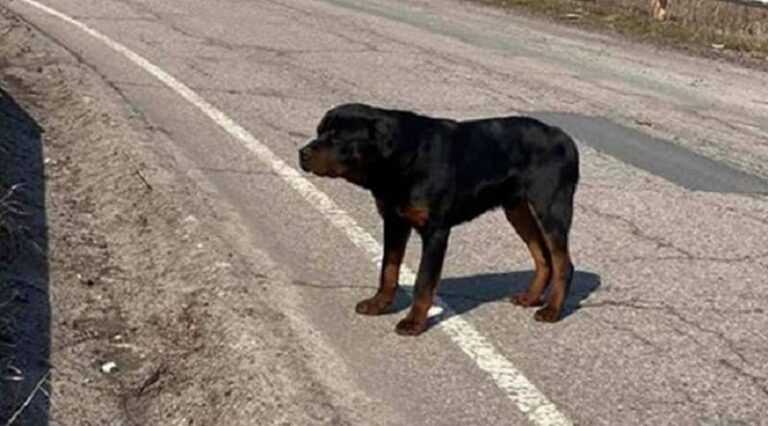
column 324, row 164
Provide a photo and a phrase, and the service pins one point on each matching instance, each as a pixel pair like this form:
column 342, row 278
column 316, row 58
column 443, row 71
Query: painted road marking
column 528, row 398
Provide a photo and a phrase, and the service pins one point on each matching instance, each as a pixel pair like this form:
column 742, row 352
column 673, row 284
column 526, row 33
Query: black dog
column 431, row 174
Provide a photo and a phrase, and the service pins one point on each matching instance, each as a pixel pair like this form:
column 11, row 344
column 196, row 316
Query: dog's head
column 353, row 140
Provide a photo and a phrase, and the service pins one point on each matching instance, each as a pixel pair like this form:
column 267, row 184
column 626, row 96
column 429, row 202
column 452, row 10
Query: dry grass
column 738, row 27
column 703, row 25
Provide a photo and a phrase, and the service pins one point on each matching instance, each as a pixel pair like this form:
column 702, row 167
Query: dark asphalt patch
column 660, row 157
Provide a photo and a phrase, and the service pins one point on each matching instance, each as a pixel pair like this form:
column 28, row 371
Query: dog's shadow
column 462, row 294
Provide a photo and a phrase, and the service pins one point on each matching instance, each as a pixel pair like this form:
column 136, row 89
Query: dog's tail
column 563, row 155
column 552, row 185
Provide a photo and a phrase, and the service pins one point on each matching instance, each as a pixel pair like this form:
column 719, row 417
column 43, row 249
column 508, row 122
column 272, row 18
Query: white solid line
column 530, row 400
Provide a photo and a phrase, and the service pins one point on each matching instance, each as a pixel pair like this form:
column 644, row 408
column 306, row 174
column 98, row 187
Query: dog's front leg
column 396, row 233
column 434, row 243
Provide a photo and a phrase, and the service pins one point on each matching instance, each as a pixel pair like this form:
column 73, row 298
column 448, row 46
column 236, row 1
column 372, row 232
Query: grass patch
column 705, row 26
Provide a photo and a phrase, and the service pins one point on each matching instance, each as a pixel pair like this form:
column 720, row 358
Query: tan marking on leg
column 561, row 271
column 416, row 321
column 527, row 228
column 388, row 280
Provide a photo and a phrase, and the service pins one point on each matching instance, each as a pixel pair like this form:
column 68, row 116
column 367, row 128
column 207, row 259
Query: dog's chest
column 416, row 216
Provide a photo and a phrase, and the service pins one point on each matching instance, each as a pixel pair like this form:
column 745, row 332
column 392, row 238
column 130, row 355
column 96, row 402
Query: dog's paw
column 547, row 314
column 408, row 327
column 524, row 300
column 372, row 306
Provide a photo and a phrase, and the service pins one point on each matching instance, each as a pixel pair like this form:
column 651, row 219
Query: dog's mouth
column 338, row 172
column 322, row 169
column 318, row 162
column 326, row 172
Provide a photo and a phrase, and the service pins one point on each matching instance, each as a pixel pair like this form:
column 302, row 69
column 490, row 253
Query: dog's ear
column 385, row 134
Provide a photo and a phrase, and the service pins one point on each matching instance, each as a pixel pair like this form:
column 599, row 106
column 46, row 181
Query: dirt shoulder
column 121, row 304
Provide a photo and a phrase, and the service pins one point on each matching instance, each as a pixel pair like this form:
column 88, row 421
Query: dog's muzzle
column 305, row 155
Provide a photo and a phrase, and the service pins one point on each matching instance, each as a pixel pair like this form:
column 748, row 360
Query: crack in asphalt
column 636, row 230
column 735, row 125
column 633, row 333
column 632, row 95
column 112, row 18
column 473, row 79
column 760, row 382
column 696, row 258
column 477, row 79
column 674, row 312
column 370, row 47
column 749, row 215
column 730, row 344
column 230, row 46
column 662, row 243
column 257, row 92
column 648, row 305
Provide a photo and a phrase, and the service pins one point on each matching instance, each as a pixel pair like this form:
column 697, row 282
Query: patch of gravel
column 123, row 307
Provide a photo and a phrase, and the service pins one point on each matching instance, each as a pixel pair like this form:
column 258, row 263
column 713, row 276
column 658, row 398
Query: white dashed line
column 529, row 399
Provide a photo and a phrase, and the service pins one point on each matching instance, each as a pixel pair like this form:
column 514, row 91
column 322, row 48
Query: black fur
column 431, row 174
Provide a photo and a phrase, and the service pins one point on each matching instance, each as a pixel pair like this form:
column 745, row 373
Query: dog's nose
column 304, row 155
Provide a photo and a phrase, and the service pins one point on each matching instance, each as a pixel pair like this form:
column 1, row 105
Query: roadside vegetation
column 710, row 27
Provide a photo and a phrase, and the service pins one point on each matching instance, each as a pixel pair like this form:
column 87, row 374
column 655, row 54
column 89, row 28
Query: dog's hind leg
column 554, row 211
column 521, row 218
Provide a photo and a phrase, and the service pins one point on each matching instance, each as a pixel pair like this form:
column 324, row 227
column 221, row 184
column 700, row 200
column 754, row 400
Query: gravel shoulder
column 125, row 302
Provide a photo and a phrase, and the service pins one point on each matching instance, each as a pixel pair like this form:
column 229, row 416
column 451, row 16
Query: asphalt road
column 668, row 320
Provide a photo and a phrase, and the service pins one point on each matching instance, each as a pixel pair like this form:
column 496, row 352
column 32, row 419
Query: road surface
column 668, row 320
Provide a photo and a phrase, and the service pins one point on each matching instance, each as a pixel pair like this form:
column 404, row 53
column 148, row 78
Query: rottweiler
column 430, row 174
